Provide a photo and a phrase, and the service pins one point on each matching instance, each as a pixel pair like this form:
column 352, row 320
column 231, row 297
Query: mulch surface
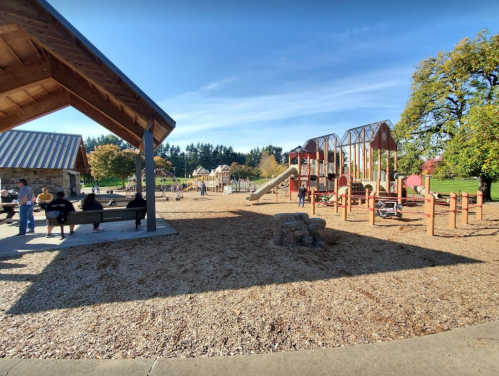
column 221, row 287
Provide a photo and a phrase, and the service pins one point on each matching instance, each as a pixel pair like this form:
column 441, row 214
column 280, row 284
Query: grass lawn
column 456, row 186
column 115, row 183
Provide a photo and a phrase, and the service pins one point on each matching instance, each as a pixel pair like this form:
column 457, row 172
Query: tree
column 90, row 144
column 451, row 102
column 253, row 157
column 101, row 161
column 269, row 167
column 123, row 165
column 162, row 163
column 430, row 166
column 474, row 151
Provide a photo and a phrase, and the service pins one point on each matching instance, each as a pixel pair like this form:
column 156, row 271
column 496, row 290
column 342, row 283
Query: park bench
column 100, row 216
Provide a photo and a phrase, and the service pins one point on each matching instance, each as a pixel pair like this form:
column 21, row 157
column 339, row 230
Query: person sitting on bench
column 90, row 203
column 59, row 208
column 44, row 198
column 137, row 202
column 7, row 199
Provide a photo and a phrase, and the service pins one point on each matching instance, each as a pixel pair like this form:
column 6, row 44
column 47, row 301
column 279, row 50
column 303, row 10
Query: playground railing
column 344, row 201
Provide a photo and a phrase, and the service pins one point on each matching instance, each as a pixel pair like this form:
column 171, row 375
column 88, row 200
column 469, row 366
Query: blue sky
column 253, row 73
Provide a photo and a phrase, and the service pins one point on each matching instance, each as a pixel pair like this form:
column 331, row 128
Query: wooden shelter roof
column 46, row 65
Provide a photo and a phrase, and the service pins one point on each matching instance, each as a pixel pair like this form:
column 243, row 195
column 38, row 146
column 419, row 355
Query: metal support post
column 138, row 172
column 150, row 181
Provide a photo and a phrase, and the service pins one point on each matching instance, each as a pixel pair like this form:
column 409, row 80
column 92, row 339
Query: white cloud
column 203, row 110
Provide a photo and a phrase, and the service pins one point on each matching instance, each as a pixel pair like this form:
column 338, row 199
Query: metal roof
column 27, row 149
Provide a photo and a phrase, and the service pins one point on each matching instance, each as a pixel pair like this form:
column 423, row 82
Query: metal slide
column 292, row 170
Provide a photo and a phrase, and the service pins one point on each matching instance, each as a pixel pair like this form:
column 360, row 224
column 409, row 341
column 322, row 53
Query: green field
column 457, row 186
column 115, row 183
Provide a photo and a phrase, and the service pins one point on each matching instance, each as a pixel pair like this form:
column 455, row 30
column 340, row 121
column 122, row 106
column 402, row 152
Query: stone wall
column 54, row 179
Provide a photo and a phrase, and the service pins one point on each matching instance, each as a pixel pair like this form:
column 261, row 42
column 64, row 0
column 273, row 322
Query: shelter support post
column 150, row 181
column 138, row 172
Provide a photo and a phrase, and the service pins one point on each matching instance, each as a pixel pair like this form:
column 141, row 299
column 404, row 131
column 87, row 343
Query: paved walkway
column 468, row 351
column 12, row 246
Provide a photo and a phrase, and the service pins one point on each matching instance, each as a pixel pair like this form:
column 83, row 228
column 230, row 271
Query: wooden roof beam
column 103, row 120
column 79, row 87
column 24, row 77
column 35, row 110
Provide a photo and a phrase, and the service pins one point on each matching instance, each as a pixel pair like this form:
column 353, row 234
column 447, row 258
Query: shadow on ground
column 211, row 254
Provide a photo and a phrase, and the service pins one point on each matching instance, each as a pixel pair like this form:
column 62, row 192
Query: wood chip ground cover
column 221, row 288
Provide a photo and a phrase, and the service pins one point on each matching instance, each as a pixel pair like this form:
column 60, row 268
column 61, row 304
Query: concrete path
column 12, row 246
column 468, row 351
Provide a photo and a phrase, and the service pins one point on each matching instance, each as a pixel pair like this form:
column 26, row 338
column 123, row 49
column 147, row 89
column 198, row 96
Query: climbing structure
column 365, row 154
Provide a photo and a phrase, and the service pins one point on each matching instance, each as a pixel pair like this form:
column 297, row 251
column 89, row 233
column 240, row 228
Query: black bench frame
column 100, row 216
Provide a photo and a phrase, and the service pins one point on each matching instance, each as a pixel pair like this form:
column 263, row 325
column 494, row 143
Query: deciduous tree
column 451, row 102
column 101, row 161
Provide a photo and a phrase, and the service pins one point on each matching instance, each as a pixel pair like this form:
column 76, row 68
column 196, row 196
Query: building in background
column 44, row 159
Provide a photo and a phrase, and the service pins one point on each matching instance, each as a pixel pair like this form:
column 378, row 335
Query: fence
column 394, row 208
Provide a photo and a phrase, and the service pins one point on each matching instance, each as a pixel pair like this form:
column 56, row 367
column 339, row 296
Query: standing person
column 7, row 199
column 137, row 202
column 26, row 202
column 59, row 208
column 203, row 188
column 97, row 187
column 93, row 189
column 90, row 203
column 73, row 191
column 44, row 198
column 301, row 195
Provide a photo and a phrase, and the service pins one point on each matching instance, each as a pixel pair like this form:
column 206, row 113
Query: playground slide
column 292, row 170
column 189, row 187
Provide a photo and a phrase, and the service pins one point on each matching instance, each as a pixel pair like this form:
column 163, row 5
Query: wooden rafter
column 35, row 110
column 24, row 77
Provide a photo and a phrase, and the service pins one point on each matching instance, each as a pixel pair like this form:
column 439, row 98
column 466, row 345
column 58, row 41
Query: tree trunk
column 484, row 187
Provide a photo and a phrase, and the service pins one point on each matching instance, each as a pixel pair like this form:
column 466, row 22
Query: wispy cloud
column 203, row 110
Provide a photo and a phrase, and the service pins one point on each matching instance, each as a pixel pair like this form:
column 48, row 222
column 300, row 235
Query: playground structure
column 168, row 182
column 214, row 180
column 363, row 160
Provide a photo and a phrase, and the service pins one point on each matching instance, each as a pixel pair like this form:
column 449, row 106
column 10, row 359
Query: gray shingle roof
column 29, row 149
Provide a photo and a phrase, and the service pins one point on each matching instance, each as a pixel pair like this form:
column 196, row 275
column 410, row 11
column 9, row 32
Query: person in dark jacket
column 90, row 203
column 59, row 208
column 137, row 202
column 301, row 195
